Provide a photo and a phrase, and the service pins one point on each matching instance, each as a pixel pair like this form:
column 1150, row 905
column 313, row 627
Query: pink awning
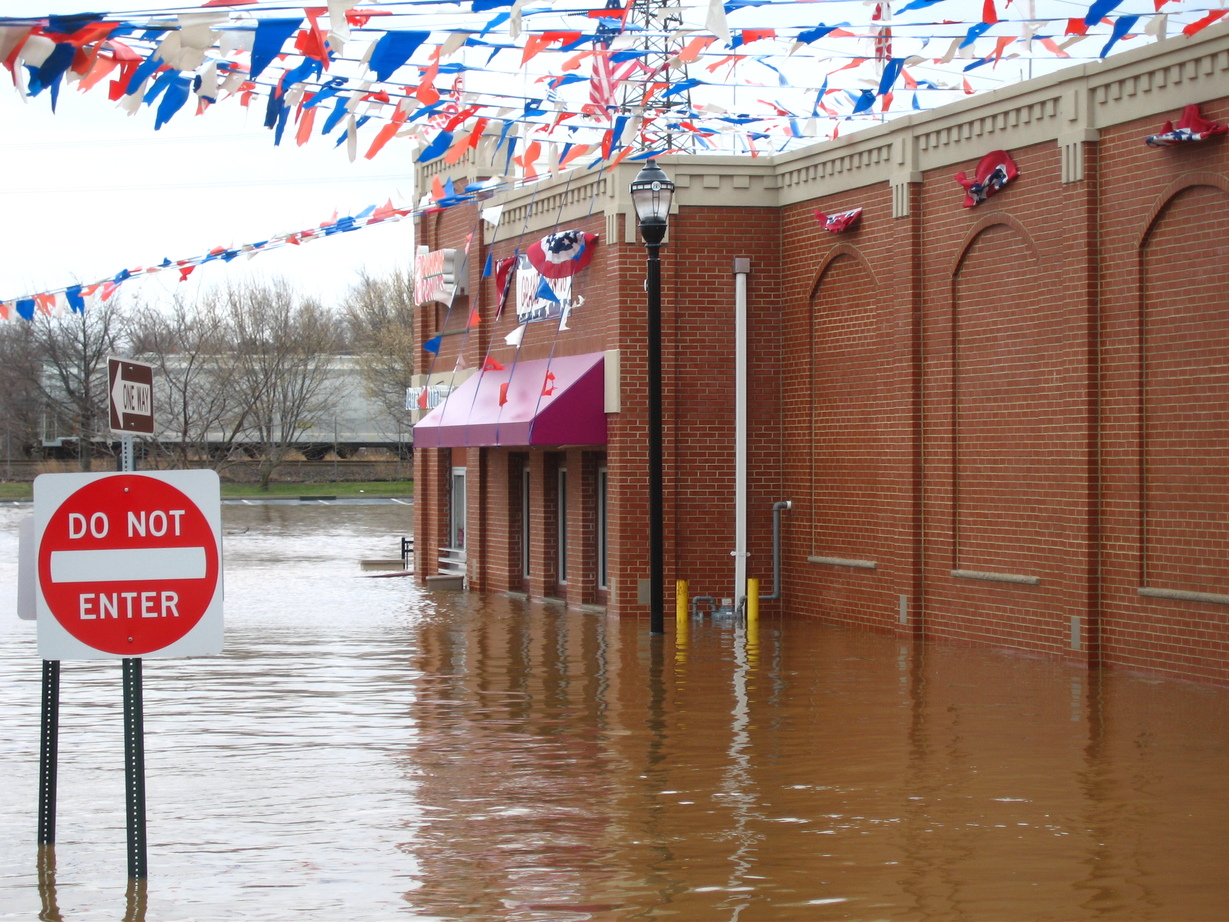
column 558, row 401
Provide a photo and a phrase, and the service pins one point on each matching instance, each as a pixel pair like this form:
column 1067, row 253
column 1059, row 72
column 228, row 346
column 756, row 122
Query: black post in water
column 49, row 752
column 652, row 193
column 657, row 554
column 134, row 768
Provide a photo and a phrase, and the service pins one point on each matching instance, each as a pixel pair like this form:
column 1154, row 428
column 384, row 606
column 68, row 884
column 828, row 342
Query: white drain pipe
column 742, row 268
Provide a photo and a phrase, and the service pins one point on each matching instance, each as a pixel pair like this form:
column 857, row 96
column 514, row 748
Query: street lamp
column 651, row 194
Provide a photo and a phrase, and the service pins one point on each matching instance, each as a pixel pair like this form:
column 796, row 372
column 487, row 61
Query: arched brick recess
column 1001, row 455
column 1184, row 391
column 851, row 486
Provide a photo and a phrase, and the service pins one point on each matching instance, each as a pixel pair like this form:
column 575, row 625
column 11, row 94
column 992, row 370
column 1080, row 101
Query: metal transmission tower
column 644, row 92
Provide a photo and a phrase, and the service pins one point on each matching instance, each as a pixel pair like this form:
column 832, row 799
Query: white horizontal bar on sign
column 127, row 564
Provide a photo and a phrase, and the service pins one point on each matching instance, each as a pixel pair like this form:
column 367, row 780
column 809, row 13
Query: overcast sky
column 89, row 191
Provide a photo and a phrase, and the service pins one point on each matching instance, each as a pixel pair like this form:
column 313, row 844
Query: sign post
column 127, row 566
column 48, row 752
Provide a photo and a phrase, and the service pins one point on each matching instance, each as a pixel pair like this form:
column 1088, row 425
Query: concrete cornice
column 1067, row 108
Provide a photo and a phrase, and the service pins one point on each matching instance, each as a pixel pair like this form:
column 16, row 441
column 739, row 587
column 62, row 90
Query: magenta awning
column 557, row 401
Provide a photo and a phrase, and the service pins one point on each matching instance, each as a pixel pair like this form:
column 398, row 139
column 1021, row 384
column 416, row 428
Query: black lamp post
column 651, row 194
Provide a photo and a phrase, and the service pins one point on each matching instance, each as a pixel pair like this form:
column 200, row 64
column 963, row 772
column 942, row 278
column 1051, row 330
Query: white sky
column 90, row 191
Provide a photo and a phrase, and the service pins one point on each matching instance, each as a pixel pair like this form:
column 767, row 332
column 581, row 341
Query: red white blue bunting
column 534, row 90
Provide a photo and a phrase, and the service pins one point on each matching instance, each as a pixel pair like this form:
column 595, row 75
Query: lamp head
column 652, row 193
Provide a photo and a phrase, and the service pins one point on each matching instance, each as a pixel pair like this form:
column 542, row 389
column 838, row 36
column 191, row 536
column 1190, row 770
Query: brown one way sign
column 131, row 387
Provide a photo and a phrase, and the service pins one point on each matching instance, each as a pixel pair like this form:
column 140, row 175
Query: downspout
column 742, row 268
column 776, row 549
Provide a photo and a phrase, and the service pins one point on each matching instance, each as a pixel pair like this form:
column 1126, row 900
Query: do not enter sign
column 128, row 565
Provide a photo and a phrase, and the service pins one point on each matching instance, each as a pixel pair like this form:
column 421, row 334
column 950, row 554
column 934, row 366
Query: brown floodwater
column 364, row 749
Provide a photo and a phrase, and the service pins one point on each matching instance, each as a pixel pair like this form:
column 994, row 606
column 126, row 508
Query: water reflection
column 369, row 751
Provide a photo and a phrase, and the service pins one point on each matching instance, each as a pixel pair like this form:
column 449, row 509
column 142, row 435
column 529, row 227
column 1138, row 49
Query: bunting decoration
column 503, row 282
column 74, row 298
column 840, row 222
column 994, row 171
column 534, row 90
column 1191, row 127
column 562, row 254
column 447, row 78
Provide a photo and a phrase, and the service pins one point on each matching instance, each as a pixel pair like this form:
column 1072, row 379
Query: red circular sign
column 128, row 564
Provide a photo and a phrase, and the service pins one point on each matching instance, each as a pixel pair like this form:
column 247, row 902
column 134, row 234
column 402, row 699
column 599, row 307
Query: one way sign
column 131, row 386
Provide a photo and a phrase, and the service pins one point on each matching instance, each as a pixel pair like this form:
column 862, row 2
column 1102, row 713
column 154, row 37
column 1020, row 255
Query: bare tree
column 380, row 316
column 283, row 347
column 21, row 401
column 201, row 412
column 72, row 379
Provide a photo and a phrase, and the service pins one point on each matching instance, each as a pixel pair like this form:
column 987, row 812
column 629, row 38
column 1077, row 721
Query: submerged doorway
column 456, row 510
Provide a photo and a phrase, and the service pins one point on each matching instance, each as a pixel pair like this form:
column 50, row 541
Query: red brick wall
column 846, row 426
column 1165, row 335
column 1032, row 390
column 699, row 393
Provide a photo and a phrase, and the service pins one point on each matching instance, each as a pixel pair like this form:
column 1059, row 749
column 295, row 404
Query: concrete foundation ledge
column 1014, row 578
column 391, row 563
column 446, row 582
column 844, row 562
column 1184, row 595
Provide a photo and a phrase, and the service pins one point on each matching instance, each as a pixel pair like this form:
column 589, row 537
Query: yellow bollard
column 753, row 622
column 681, row 621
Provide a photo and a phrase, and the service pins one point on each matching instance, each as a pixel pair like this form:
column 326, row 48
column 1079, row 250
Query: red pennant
column 548, row 386
column 503, row 393
column 491, row 365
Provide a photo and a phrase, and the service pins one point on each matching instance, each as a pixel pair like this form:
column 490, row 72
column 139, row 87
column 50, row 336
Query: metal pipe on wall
column 742, row 268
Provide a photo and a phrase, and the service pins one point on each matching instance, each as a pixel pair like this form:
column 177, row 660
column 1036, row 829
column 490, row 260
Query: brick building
column 1005, row 424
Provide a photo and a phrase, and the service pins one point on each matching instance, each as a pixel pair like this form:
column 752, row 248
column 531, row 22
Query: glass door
column 456, row 514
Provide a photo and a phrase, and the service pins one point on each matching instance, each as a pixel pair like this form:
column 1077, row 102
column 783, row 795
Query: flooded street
column 366, row 750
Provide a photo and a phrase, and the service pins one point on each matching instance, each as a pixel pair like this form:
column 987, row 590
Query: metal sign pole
column 134, row 740
column 49, row 752
column 134, row 768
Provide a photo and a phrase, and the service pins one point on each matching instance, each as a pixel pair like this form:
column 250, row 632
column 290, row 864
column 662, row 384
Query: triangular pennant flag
column 503, row 393
column 433, row 345
column 491, row 364
column 548, row 385
column 545, row 292
column 491, row 215
column 514, row 338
